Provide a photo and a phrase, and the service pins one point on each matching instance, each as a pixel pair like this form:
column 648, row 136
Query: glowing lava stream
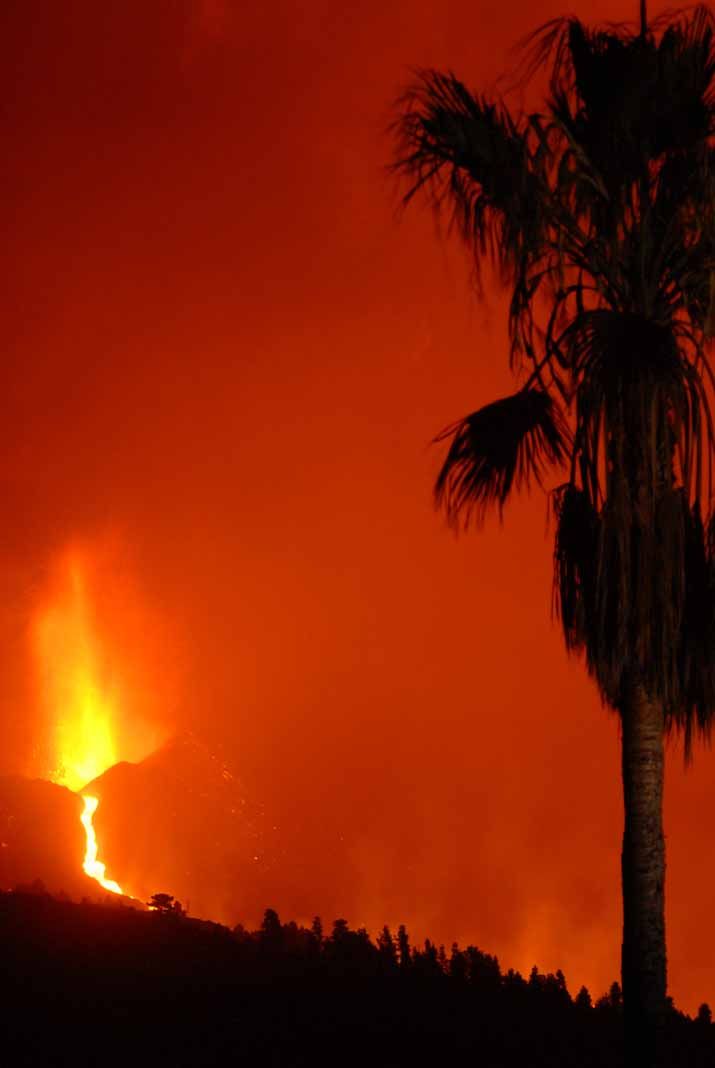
column 92, row 866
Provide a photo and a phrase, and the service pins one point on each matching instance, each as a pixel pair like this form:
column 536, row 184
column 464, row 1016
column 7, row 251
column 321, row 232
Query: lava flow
column 92, row 866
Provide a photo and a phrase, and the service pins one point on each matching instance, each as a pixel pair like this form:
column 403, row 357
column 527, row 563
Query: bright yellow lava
column 76, row 685
column 92, row 866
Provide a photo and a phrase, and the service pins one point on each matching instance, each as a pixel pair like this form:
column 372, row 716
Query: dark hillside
column 112, row 985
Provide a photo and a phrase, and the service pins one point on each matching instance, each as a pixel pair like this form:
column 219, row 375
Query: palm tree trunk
column 643, row 962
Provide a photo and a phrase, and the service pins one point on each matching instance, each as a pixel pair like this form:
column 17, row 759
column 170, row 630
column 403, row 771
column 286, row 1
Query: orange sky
column 223, row 352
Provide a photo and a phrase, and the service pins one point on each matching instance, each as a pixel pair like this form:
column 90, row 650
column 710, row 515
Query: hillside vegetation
column 113, row 985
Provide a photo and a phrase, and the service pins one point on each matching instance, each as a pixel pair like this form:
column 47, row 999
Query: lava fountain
column 82, row 694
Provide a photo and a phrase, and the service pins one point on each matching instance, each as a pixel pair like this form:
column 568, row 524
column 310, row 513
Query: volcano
column 176, row 822
column 180, row 822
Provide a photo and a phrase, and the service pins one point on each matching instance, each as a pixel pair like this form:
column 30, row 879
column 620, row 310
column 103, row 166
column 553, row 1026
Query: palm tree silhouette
column 599, row 215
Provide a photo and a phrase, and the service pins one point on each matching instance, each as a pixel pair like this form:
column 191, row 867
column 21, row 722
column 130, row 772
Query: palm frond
column 472, row 160
column 639, row 600
column 697, row 642
column 498, row 448
column 623, row 592
column 575, row 563
column 640, row 404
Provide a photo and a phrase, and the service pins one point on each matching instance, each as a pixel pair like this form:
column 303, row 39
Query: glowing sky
column 223, row 351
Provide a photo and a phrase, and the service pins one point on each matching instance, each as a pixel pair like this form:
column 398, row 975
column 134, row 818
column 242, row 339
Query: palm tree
column 598, row 213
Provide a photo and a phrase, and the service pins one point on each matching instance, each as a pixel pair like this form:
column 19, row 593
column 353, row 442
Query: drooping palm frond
column 473, row 161
column 640, row 602
column 630, row 560
column 641, row 406
column 498, row 448
column 636, row 598
column 575, row 563
column 696, row 651
column 681, row 234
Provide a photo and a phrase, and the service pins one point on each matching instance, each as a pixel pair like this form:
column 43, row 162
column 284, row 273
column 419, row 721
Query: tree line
column 193, row 992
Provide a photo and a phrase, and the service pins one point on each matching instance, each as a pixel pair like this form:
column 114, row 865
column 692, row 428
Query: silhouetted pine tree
column 271, row 933
column 705, row 1016
column 457, row 964
column 388, row 951
column 583, row 999
column 403, row 948
column 317, row 930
